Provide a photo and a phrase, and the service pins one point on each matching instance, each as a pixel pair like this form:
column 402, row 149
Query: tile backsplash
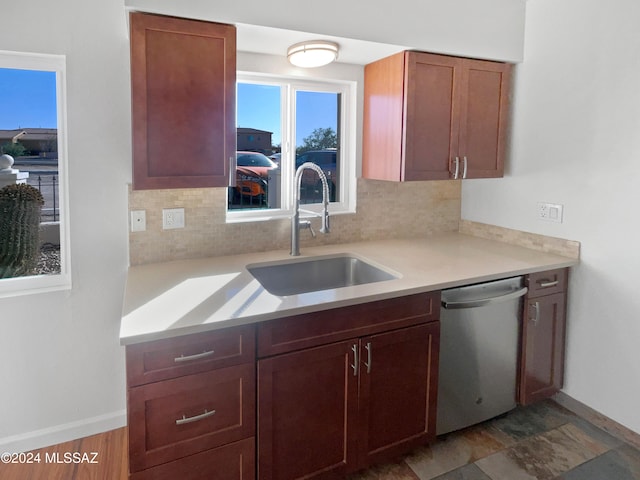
column 384, row 210
column 533, row 241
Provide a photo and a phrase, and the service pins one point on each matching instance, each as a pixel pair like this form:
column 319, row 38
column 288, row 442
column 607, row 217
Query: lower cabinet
column 329, row 410
column 543, row 336
column 191, row 407
column 337, row 390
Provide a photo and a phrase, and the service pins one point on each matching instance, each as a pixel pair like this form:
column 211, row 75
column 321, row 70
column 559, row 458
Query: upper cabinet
column 183, row 75
column 434, row 117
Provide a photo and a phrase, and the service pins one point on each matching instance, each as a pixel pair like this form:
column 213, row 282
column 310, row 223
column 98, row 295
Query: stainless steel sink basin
column 293, row 277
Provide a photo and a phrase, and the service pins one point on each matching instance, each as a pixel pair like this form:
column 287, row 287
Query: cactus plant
column 20, row 208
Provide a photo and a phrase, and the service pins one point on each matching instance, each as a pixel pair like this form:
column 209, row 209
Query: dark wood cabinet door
column 398, row 392
column 543, row 338
column 307, row 413
column 431, row 115
column 183, row 101
column 484, row 111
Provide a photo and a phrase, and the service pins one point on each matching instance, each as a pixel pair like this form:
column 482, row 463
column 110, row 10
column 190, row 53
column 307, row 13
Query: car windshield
column 253, row 160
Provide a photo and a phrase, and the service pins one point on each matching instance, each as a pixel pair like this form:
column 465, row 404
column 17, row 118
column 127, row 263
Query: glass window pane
column 29, row 134
column 317, row 141
column 258, row 176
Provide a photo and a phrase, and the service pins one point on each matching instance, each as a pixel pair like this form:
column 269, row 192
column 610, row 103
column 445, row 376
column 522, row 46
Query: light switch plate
column 138, row 220
column 172, row 218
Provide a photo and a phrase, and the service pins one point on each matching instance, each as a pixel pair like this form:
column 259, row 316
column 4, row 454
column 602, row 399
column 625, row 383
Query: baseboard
column 25, row 442
column 598, row 419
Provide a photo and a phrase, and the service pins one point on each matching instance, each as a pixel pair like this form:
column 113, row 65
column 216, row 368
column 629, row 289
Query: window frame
column 347, row 158
column 10, row 287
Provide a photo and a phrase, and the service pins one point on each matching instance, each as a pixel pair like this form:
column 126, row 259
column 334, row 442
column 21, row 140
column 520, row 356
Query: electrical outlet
column 138, row 220
column 172, row 218
column 550, row 212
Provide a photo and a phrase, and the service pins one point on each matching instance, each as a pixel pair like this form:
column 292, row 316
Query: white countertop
column 189, row 296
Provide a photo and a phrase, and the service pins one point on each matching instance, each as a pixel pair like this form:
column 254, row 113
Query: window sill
column 15, row 287
column 246, row 216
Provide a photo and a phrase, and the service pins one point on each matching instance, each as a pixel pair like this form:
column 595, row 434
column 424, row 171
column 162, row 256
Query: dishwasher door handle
column 485, row 301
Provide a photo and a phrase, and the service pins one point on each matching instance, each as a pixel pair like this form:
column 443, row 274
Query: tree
column 319, row 139
column 13, row 149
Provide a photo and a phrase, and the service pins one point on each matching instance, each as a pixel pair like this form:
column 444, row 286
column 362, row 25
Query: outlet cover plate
column 172, row 218
column 550, row 212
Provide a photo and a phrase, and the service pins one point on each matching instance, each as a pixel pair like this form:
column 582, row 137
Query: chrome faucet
column 296, row 224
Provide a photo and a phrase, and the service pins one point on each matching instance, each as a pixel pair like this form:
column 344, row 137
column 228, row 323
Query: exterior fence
column 47, row 183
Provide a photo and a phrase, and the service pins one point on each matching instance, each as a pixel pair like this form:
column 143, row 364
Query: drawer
column 327, row 326
column 546, row 283
column 186, row 415
column 235, row 461
column 188, row 354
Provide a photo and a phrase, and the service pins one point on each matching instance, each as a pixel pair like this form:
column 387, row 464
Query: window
column 292, row 121
column 32, row 132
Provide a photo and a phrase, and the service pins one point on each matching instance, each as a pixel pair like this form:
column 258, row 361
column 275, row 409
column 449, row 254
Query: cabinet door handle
column 368, row 362
column 456, row 162
column 464, row 167
column 536, row 317
column 547, row 283
column 354, row 349
column 190, row 358
column 195, row 418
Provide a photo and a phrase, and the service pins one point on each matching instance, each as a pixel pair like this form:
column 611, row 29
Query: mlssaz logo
column 71, row 457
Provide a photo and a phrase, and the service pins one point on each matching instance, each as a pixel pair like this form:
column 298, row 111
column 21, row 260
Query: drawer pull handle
column 190, row 358
column 546, row 283
column 195, row 418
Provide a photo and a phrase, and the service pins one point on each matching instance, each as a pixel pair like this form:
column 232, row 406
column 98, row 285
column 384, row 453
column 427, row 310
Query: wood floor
column 110, row 463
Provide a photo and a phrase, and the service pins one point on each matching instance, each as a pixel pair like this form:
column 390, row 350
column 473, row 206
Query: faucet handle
column 306, row 224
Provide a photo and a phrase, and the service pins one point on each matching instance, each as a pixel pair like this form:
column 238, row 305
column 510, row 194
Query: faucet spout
column 296, row 225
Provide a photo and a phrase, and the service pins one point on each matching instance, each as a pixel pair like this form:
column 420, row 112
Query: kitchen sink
column 293, row 277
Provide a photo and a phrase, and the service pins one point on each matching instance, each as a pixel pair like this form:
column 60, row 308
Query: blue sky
column 27, row 99
column 259, row 107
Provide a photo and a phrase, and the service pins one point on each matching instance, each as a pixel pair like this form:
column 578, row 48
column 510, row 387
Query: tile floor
column 541, row 442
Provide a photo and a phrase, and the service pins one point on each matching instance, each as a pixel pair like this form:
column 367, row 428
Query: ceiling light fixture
column 313, row 53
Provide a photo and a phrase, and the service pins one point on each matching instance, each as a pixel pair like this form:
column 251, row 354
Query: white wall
column 576, row 141
column 487, row 29
column 62, row 372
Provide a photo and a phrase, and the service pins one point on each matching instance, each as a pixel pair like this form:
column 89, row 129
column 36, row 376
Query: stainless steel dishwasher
column 479, row 327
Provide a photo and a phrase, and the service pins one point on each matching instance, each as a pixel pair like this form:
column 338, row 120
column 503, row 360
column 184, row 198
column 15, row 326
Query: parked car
column 252, row 177
column 276, row 157
column 311, row 185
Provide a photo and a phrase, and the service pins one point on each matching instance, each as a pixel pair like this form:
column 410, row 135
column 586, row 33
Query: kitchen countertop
column 189, row 296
